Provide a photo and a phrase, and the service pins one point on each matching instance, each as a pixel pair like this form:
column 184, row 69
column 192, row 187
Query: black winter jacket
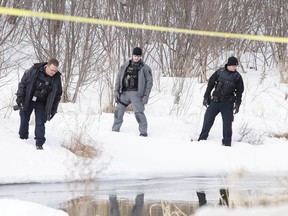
column 228, row 86
column 27, row 86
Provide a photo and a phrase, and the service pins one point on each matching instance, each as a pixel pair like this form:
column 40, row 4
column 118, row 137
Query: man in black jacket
column 40, row 90
column 226, row 97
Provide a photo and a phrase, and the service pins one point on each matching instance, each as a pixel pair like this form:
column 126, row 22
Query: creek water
column 168, row 189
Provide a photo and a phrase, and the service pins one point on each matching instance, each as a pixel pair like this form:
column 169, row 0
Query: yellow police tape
column 52, row 16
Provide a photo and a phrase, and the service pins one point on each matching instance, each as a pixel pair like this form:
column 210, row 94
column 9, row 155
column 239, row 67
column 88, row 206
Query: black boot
column 39, row 147
column 201, row 198
column 224, row 197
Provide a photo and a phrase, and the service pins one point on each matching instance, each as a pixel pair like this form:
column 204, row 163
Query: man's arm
column 239, row 90
column 210, row 85
column 149, row 81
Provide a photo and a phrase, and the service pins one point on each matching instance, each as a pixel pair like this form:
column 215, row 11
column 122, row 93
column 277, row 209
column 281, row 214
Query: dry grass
column 171, row 209
column 86, row 206
column 77, row 147
column 77, row 139
column 254, row 201
column 111, row 109
column 250, row 135
column 256, row 197
column 284, row 135
column 82, row 150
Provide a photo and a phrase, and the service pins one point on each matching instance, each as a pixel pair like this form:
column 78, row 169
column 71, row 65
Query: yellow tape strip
column 29, row 13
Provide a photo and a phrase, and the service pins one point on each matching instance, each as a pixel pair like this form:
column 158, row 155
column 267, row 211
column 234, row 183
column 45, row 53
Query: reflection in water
column 136, row 210
column 201, row 198
column 183, row 193
column 223, row 200
column 224, row 197
column 139, row 208
column 87, row 206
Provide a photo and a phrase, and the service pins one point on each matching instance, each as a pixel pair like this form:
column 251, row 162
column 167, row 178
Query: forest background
column 91, row 54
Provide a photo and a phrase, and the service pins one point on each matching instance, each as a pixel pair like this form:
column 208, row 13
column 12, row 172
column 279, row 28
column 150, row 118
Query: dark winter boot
column 224, row 197
column 144, row 134
column 114, row 206
column 39, row 145
column 139, row 204
column 23, row 137
column 201, row 198
column 226, row 144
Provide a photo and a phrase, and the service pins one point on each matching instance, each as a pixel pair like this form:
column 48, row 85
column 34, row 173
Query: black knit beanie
column 232, row 61
column 137, row 51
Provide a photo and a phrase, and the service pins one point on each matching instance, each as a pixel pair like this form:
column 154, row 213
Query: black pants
column 40, row 120
column 226, row 109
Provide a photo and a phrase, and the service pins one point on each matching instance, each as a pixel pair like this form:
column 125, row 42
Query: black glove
column 19, row 101
column 145, row 100
column 206, row 102
column 236, row 108
column 117, row 96
column 52, row 114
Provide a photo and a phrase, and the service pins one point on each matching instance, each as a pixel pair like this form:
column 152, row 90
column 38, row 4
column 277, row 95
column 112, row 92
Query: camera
column 17, row 107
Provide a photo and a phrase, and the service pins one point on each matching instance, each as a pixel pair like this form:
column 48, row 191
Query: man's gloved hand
column 19, row 101
column 145, row 100
column 206, row 102
column 236, row 108
column 117, row 96
column 52, row 114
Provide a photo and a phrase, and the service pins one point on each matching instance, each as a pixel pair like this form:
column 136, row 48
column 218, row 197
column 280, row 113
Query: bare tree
column 75, row 44
column 275, row 19
column 92, row 54
column 11, row 35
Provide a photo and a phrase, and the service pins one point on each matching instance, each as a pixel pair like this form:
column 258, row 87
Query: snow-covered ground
column 12, row 207
column 166, row 152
